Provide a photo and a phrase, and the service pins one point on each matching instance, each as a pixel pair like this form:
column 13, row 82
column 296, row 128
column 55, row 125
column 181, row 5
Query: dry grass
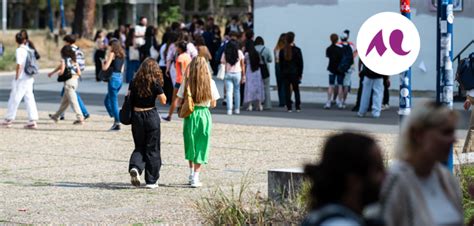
column 46, row 47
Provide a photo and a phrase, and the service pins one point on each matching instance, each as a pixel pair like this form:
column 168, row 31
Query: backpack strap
column 261, row 56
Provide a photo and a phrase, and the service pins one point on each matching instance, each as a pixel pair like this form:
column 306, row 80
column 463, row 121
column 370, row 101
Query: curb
column 43, row 71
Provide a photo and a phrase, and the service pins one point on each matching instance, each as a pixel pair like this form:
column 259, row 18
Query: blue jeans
column 81, row 103
column 111, row 99
column 232, row 84
column 367, row 87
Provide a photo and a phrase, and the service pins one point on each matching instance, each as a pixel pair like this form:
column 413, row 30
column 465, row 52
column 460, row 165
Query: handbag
column 263, row 66
column 126, row 112
column 221, row 72
column 67, row 74
column 105, row 75
column 187, row 106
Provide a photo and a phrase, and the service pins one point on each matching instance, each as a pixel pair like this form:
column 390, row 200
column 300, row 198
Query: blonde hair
column 199, row 79
column 427, row 116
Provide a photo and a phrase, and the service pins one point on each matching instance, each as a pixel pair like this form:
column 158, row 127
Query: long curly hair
column 232, row 52
column 147, row 75
column 117, row 49
column 199, row 79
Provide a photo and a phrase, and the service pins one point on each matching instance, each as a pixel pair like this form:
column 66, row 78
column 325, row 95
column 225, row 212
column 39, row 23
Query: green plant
column 169, row 15
column 243, row 207
column 7, row 61
column 466, row 177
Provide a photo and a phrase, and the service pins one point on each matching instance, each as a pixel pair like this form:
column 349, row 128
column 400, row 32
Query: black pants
column 146, row 136
column 295, row 84
column 98, row 64
column 167, row 86
column 386, row 94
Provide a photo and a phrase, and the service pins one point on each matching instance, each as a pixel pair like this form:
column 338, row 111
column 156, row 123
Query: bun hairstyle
column 345, row 35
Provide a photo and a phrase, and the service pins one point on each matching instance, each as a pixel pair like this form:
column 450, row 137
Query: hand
column 242, row 81
column 50, row 74
column 467, row 104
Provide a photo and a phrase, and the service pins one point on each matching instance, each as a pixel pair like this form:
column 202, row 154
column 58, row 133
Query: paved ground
column 63, row 173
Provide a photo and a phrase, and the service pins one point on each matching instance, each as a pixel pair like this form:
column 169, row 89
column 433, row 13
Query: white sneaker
column 195, row 183
column 135, row 177
column 151, row 186
column 250, row 108
column 327, row 105
column 339, row 105
column 190, row 179
column 237, row 111
column 229, row 112
column 385, row 107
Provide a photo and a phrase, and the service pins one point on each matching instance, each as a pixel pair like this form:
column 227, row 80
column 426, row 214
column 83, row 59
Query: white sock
column 196, row 176
column 191, row 171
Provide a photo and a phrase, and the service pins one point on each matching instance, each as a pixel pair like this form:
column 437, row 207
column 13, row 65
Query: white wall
column 314, row 20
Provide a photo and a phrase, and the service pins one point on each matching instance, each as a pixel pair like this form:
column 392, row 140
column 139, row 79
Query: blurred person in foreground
column 346, row 180
column 419, row 189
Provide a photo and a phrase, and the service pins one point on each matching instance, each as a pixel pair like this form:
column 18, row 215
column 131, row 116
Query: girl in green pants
column 197, row 126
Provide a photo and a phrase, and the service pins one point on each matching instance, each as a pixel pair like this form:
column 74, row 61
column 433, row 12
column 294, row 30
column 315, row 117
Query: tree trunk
column 77, row 26
column 84, row 18
column 89, row 19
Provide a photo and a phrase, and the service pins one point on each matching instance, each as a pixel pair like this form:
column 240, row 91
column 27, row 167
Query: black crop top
column 144, row 102
column 117, row 64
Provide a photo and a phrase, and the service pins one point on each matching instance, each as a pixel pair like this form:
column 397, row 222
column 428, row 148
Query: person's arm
column 161, row 98
column 78, row 69
column 18, row 71
column 108, row 61
column 213, row 103
column 242, row 65
column 300, row 63
column 54, row 71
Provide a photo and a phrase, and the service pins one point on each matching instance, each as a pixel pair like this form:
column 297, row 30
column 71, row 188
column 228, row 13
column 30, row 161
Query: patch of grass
column 245, row 207
column 137, row 224
column 7, row 61
column 9, row 182
column 466, row 176
column 41, row 183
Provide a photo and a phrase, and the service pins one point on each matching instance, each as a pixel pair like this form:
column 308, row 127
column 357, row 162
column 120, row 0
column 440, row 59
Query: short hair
column 259, row 41
column 334, row 38
column 19, row 38
column 343, row 154
column 70, row 39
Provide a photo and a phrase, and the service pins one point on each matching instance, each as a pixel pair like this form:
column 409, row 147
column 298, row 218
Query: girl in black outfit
column 150, row 42
column 99, row 52
column 291, row 69
column 144, row 89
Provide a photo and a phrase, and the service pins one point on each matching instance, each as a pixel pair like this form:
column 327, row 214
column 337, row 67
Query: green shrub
column 7, row 61
column 466, row 177
column 245, row 207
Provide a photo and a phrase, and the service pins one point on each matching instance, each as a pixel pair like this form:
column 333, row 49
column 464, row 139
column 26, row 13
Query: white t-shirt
column 233, row 68
column 441, row 209
column 140, row 31
column 191, row 50
column 162, row 62
column 214, row 93
column 21, row 55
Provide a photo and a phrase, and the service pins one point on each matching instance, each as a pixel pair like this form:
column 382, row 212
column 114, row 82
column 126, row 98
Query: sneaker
column 229, row 112
column 31, row 125
column 195, row 183
column 62, row 118
column 151, row 186
column 327, row 105
column 53, row 118
column 190, row 179
column 385, row 107
column 343, row 106
column 339, row 105
column 298, row 110
column 78, row 122
column 7, row 123
column 237, row 111
column 289, row 111
column 250, row 108
column 360, row 115
column 86, row 116
column 115, row 127
column 135, row 177
column 260, row 108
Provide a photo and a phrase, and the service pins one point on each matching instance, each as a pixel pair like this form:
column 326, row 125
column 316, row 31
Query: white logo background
column 389, row 63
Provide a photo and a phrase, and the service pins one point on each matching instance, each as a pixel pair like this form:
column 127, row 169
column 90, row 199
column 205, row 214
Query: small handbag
column 105, row 75
column 187, row 106
column 126, row 112
column 67, row 74
column 221, row 72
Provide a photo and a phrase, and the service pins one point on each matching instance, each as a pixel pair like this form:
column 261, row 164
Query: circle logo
column 388, row 43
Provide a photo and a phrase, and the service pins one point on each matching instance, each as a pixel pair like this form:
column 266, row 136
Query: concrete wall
column 314, row 20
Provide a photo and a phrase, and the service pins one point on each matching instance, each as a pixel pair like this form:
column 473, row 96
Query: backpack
column 465, row 73
column 31, row 65
column 80, row 58
column 347, row 59
column 263, row 65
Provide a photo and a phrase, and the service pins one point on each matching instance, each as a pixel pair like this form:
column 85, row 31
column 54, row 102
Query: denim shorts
column 335, row 79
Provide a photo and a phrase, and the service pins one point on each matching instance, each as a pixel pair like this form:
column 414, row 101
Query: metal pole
column 445, row 74
column 4, row 17
column 63, row 18
column 405, row 78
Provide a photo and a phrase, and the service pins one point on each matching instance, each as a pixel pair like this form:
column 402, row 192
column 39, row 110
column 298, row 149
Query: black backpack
column 347, row 59
column 465, row 73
